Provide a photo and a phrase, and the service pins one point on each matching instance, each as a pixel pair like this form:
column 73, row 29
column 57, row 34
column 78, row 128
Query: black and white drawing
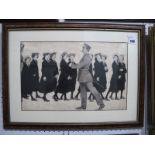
column 73, row 76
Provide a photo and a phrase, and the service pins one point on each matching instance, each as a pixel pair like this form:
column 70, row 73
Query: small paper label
column 131, row 40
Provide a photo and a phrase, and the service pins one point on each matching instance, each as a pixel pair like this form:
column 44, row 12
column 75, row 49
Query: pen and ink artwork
column 73, row 76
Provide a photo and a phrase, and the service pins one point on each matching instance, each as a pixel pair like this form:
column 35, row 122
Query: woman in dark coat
column 47, row 81
column 114, row 79
column 26, row 80
column 105, row 71
column 121, row 77
column 34, row 74
column 22, row 59
column 54, row 74
column 63, row 84
column 100, row 68
column 72, row 74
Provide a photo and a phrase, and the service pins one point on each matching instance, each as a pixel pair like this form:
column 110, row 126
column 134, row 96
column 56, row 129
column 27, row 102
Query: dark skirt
column 100, row 85
column 48, row 86
column 26, row 81
column 34, row 75
column 71, row 85
column 114, row 78
column 26, row 87
column 35, row 84
column 63, row 82
column 49, row 71
column 113, row 84
column 63, row 85
column 121, row 83
column 122, row 79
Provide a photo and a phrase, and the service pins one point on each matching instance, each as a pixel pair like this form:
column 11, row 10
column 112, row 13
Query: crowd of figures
column 63, row 80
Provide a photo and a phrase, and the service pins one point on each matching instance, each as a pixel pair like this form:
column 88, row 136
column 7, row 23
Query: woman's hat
column 98, row 54
column 51, row 54
column 115, row 55
column 25, row 58
column 71, row 54
column 104, row 56
column 34, row 54
column 45, row 54
column 63, row 54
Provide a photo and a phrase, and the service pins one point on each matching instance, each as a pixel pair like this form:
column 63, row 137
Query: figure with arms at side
column 114, row 79
column 121, row 77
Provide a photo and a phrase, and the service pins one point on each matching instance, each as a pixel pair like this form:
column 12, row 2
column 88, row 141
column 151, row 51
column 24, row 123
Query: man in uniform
column 85, row 79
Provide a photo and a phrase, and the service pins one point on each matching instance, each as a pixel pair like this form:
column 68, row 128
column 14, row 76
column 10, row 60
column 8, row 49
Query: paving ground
column 27, row 104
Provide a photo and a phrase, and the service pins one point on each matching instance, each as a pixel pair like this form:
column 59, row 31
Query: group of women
column 63, row 80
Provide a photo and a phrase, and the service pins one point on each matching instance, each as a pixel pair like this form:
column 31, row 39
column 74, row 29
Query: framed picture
column 151, row 79
column 73, row 76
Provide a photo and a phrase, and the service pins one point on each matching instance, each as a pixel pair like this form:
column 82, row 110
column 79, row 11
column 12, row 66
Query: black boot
column 102, row 96
column 32, row 98
column 37, row 96
column 61, row 98
column 72, row 96
column 65, row 97
column 106, row 98
column 116, row 98
column 45, row 99
column 25, row 96
column 76, row 97
column 55, row 97
column 111, row 96
column 122, row 97
column 91, row 98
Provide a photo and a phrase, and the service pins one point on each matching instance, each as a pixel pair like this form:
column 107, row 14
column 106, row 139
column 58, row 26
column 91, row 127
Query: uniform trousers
column 83, row 91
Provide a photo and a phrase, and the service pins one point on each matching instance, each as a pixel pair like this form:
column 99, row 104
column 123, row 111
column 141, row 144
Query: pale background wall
column 100, row 132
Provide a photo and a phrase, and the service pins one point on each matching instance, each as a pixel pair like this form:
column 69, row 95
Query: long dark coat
column 114, row 78
column 122, row 79
column 100, row 72
column 54, row 68
column 63, row 83
column 72, row 81
column 34, row 75
column 26, row 80
column 49, row 70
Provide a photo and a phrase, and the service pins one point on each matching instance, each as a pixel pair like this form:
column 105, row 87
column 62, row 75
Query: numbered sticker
column 131, row 40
